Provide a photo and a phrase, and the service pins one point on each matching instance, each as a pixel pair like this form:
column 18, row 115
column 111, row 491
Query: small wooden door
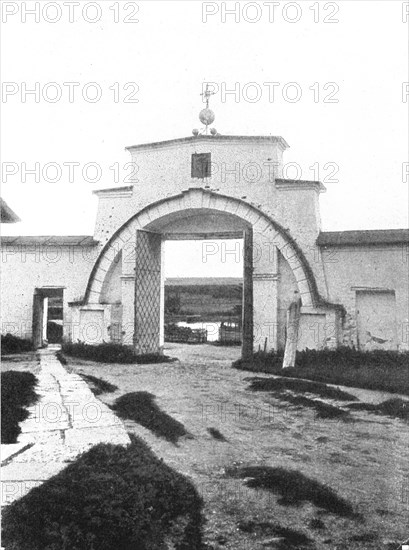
column 376, row 320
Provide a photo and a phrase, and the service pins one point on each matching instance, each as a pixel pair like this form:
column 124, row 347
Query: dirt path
column 364, row 460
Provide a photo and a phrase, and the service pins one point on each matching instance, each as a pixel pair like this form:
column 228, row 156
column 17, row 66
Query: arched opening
column 273, row 263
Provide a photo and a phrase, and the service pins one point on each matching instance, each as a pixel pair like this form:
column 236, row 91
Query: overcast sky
column 350, row 115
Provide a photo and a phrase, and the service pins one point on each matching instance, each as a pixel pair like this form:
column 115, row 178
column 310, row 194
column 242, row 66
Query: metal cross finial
column 206, row 94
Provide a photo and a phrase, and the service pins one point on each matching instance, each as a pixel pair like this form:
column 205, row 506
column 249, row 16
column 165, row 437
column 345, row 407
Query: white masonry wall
column 27, row 267
column 244, row 167
column 376, row 270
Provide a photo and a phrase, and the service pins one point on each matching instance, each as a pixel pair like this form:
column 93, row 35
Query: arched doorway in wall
column 196, row 214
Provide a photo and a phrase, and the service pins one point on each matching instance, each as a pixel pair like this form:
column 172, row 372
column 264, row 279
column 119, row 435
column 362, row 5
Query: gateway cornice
column 125, row 191
column 296, row 185
column 193, row 140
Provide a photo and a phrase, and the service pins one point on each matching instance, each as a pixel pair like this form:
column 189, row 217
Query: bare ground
column 363, row 460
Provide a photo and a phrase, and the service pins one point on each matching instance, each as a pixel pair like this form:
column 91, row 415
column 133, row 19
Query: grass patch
column 98, row 386
column 141, row 408
column 293, row 487
column 110, row 497
column 112, row 353
column 214, row 432
column 13, row 344
column 372, row 370
column 61, row 358
column 302, row 386
column 294, row 540
column 17, row 393
column 396, row 408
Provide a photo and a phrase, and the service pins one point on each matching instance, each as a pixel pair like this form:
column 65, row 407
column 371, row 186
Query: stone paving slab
column 48, row 437
column 8, row 451
column 32, row 426
column 85, row 436
column 66, row 421
column 101, row 421
column 40, row 453
column 31, row 471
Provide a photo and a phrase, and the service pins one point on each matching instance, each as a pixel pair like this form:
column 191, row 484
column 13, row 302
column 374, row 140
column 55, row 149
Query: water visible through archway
column 204, row 291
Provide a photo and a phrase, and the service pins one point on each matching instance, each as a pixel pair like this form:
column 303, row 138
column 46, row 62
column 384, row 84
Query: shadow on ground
column 323, row 410
column 283, row 537
column 216, row 434
column 302, row 386
column 98, row 386
column 283, row 388
column 395, row 408
column 111, row 497
column 141, row 408
column 293, row 487
column 17, row 393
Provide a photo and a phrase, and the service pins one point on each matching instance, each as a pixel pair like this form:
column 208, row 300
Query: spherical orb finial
column 195, row 132
column 206, row 116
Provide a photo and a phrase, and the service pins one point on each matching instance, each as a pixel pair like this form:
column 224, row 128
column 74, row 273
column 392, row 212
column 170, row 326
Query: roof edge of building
column 123, row 189
column 7, row 214
column 195, row 139
column 50, row 240
column 363, row 237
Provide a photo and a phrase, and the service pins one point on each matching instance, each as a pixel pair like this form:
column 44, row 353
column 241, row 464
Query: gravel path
column 363, row 460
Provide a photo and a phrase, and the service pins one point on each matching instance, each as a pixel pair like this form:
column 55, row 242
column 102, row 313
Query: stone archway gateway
column 196, row 214
column 304, row 288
